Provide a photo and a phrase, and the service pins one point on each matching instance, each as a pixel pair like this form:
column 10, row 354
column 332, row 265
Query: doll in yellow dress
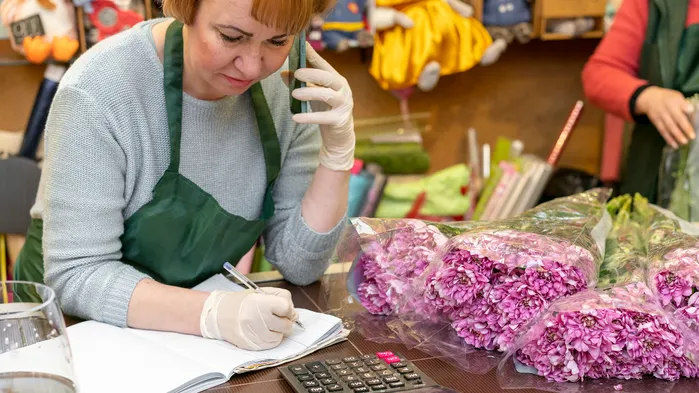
column 418, row 41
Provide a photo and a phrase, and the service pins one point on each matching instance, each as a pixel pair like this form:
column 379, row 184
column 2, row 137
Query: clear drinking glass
column 35, row 355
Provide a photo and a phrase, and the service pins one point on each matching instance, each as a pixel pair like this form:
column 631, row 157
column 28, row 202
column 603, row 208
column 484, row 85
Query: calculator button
column 368, row 375
column 361, row 389
column 333, row 362
column 360, row 370
column 355, row 384
column 350, row 359
column 328, row 381
column 298, row 370
column 305, row 377
column 310, row 384
column 398, row 384
column 405, row 370
column 339, row 367
column 344, row 372
column 379, row 387
column 369, row 356
column 390, row 379
column 316, row 367
column 323, row 375
column 334, row 388
column 411, row 377
column 378, row 367
column 373, row 382
column 350, row 378
column 386, row 373
column 316, row 389
column 371, row 362
column 399, row 365
column 384, row 355
column 392, row 359
column 355, row 364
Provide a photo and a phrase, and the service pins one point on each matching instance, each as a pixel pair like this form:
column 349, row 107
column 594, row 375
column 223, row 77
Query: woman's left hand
column 331, row 103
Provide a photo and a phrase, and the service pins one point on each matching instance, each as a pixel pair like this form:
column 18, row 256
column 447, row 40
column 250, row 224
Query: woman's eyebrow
column 231, row 27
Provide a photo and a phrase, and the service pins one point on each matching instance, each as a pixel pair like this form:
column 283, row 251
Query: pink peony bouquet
column 618, row 330
column 621, row 332
column 673, row 253
column 485, row 283
column 394, row 253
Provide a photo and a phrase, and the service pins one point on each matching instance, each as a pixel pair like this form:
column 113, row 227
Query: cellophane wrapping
column 673, row 254
column 485, row 283
column 616, row 336
column 384, row 256
column 678, row 185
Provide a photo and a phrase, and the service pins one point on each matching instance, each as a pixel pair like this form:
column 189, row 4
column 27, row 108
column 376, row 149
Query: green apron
column 182, row 236
column 669, row 59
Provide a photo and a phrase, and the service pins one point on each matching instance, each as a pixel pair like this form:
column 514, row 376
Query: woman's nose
column 249, row 63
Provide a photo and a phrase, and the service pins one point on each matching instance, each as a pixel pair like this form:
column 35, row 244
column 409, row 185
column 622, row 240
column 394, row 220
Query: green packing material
column 259, row 262
column 443, row 191
column 394, row 158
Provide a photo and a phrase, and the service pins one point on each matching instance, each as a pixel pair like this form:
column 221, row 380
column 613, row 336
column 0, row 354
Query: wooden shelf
column 557, row 36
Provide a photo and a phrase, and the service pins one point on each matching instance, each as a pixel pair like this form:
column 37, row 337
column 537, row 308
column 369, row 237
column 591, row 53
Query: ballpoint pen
column 251, row 285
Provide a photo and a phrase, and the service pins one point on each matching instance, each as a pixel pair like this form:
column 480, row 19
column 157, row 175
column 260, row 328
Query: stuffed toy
column 41, row 29
column 573, row 27
column 418, row 41
column 344, row 26
column 507, row 20
column 314, row 35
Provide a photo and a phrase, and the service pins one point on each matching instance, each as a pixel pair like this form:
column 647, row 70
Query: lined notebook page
column 111, row 359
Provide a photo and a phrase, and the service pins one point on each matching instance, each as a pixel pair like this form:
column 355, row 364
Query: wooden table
column 314, row 297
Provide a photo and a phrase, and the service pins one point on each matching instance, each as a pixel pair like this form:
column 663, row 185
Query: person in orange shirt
column 642, row 70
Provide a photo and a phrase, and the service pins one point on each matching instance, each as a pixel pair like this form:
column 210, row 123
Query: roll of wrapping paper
column 552, row 160
column 3, row 269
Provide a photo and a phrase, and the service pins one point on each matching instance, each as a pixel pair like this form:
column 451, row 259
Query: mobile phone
column 297, row 59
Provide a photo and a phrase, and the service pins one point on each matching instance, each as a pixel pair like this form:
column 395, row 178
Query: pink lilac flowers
column 490, row 283
column 677, row 277
column 608, row 334
column 393, row 261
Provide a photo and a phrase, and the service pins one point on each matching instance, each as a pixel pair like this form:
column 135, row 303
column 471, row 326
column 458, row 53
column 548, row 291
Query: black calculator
column 379, row 372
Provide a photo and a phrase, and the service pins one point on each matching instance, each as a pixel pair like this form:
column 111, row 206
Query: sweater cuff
column 638, row 119
column 310, row 240
column 116, row 305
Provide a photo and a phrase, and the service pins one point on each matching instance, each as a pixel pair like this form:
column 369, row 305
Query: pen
column 251, row 285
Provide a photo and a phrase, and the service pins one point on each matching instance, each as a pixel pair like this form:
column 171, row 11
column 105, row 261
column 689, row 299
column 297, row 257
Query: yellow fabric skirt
column 439, row 34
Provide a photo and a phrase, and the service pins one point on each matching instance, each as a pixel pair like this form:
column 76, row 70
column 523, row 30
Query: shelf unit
column 544, row 11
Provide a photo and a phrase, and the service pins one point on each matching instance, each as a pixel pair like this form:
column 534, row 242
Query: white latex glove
column 247, row 319
column 331, row 104
column 382, row 18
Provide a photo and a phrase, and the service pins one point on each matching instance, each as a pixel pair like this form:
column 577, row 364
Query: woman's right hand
column 247, row 319
column 669, row 112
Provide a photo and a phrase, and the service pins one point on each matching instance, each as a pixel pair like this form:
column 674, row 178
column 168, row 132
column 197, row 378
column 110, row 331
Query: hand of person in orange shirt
column 669, row 112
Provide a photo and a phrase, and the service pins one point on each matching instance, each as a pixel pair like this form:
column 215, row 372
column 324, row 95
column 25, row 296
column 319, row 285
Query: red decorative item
column 110, row 19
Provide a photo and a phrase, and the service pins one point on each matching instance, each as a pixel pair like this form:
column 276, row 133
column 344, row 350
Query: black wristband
column 638, row 119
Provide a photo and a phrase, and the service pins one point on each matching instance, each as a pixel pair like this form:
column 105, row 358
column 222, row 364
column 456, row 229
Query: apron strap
column 173, row 62
column 666, row 24
column 270, row 145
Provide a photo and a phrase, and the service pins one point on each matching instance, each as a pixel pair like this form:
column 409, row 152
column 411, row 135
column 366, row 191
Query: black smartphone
column 297, row 59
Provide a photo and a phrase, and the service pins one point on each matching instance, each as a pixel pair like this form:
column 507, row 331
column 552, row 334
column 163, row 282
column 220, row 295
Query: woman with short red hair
column 170, row 149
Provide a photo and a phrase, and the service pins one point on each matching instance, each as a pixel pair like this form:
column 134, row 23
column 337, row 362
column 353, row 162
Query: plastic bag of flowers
column 673, row 253
column 393, row 252
column 616, row 336
column 487, row 282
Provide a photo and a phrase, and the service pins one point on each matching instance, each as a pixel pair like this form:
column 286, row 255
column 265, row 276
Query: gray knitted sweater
column 107, row 145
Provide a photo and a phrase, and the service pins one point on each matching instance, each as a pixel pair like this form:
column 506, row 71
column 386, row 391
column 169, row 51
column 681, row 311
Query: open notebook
column 112, row 359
